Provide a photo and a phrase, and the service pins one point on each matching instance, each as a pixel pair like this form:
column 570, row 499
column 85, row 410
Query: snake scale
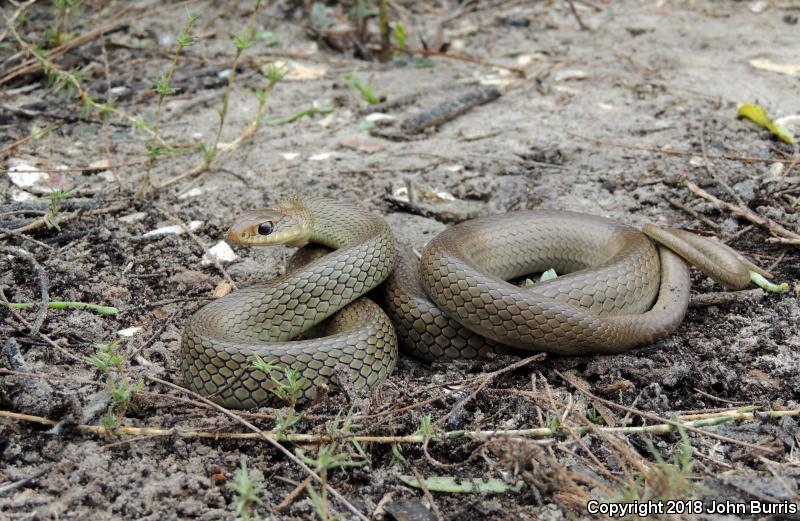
column 620, row 290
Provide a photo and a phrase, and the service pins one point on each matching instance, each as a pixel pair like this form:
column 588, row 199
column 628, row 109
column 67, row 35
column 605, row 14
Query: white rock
column 322, row 156
column 20, row 196
column 290, row 156
column 379, row 116
column 25, row 175
column 129, row 331
column 173, row 229
column 566, row 75
column 194, row 192
column 132, row 217
column 221, row 252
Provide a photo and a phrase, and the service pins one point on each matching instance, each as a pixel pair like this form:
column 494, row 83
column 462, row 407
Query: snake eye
column 265, row 228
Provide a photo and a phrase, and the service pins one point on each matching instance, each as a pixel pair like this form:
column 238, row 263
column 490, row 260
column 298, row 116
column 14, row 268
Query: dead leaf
column 790, row 69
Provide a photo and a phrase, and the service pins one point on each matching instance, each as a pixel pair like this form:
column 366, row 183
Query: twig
column 427, row 493
column 261, row 434
column 672, row 152
column 708, row 166
column 10, row 487
column 67, row 304
column 460, row 57
column 42, row 221
column 291, row 496
column 577, row 16
column 705, row 220
column 44, row 298
column 449, row 110
column 22, row 7
column 747, row 213
column 688, row 421
column 671, row 423
column 726, row 297
column 486, row 379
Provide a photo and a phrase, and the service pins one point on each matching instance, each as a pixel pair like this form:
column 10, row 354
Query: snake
column 618, row 288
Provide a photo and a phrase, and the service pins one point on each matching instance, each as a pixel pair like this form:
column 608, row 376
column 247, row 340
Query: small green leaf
column 367, row 91
column 757, row 114
column 268, row 38
column 548, row 275
column 760, row 281
column 400, row 35
column 452, row 485
column 319, row 16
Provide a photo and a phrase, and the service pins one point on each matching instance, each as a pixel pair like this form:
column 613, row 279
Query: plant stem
column 61, row 304
column 226, row 96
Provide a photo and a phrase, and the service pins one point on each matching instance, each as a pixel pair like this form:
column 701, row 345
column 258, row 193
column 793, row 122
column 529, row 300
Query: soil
column 610, row 120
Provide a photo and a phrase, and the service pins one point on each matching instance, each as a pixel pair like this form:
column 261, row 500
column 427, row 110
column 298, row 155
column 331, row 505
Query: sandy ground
column 609, row 121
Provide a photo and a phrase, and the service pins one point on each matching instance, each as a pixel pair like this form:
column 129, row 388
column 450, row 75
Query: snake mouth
column 239, row 237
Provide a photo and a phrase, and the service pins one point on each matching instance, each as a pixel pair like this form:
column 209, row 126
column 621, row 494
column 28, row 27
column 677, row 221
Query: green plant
column 285, row 422
column 246, row 492
column 111, row 362
column 241, row 42
column 52, row 217
column 594, row 416
column 327, row 459
column 367, row 91
column 289, row 388
column 425, row 428
column 664, row 480
column 54, row 35
column 400, row 36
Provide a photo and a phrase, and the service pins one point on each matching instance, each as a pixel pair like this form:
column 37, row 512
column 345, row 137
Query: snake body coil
column 621, row 290
column 221, row 339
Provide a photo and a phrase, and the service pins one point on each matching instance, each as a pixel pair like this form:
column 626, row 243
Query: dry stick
column 461, row 57
column 577, row 16
column 106, row 134
column 291, row 496
column 22, row 236
column 42, row 221
column 79, row 169
column 688, row 421
column 41, row 276
column 14, row 17
column 747, row 213
column 671, row 424
column 449, row 110
column 10, row 487
column 703, row 219
column 272, row 441
column 682, row 153
column 712, row 172
column 484, row 381
column 727, row 297
column 6, row 150
column 427, row 493
column 738, row 234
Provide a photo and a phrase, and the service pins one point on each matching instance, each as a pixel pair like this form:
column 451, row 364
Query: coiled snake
column 620, row 290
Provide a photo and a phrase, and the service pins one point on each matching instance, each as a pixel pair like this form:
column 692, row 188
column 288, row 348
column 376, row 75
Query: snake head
column 285, row 224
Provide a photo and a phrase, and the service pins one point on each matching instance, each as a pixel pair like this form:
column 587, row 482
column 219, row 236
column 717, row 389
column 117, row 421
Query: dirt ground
column 611, row 120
